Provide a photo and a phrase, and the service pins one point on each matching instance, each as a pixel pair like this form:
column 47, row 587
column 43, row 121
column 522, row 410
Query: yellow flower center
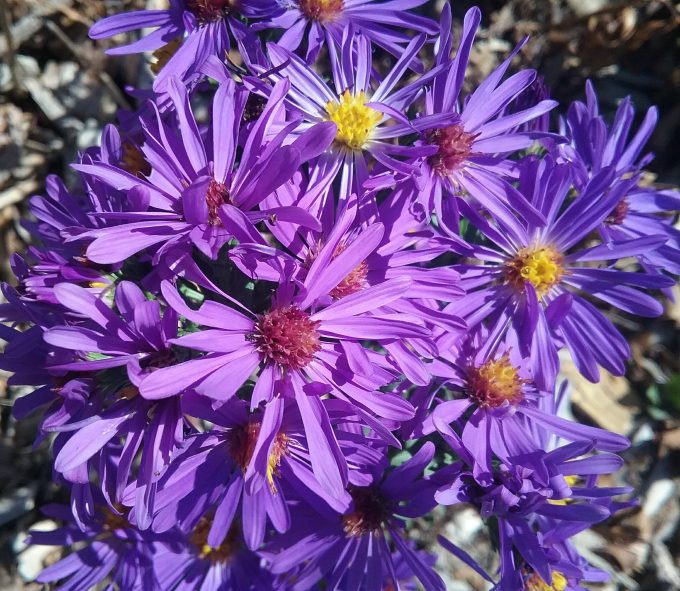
column 495, row 382
column 557, row 583
column 354, row 119
column 540, row 266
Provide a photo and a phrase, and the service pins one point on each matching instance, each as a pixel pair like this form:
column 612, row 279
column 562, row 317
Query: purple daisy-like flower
column 185, row 34
column 497, row 387
column 317, row 351
column 593, row 145
column 643, row 210
column 383, row 23
column 138, row 338
column 193, row 176
column 250, row 465
column 363, row 112
column 199, row 565
column 406, row 247
column 473, row 138
column 530, row 279
column 559, row 486
column 106, row 548
column 351, row 551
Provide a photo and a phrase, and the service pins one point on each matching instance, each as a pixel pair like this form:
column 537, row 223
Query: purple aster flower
column 59, row 214
column 40, row 270
column 643, row 210
column 107, row 549
column 383, row 23
column 497, row 387
column 351, row 551
column 199, row 565
column 593, row 145
column 251, row 464
column 317, row 351
column 364, row 112
column 137, row 339
column 559, row 485
column 531, row 279
column 647, row 211
column 569, row 570
column 185, row 34
column 473, row 138
column 405, row 246
column 193, row 176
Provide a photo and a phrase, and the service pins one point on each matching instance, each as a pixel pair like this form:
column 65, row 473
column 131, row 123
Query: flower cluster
column 295, row 304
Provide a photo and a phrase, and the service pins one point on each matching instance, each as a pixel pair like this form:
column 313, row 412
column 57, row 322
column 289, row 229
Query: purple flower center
column 215, row 197
column 219, row 554
column 322, row 11
column 619, row 213
column 371, row 510
column 287, row 336
column 354, row 281
column 494, row 383
column 207, row 11
column 455, row 147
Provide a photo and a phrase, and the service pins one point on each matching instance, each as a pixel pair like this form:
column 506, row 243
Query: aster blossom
column 305, row 346
column 351, row 549
column 531, row 280
column 139, row 340
column 192, row 178
column 645, row 209
column 497, row 386
column 382, row 23
column 184, row 35
column 473, row 137
column 363, row 110
column 558, row 485
column 110, row 548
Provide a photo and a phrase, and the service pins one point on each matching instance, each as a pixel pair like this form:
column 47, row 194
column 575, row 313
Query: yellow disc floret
column 540, row 266
column 536, row 583
column 354, row 119
column 495, row 383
